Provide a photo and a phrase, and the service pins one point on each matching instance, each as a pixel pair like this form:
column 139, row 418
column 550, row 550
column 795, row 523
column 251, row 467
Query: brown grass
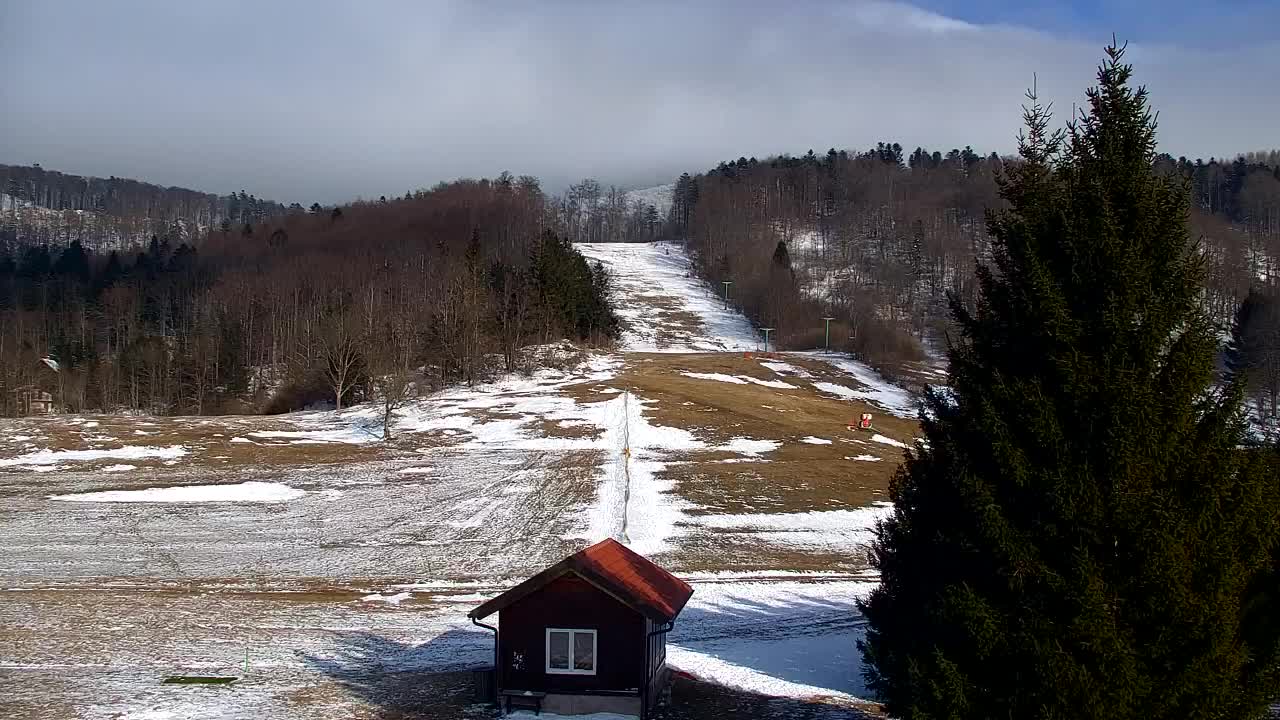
column 797, row 477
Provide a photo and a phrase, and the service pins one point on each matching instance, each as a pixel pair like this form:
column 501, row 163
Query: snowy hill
column 308, row 550
column 658, row 196
column 664, row 305
column 47, row 207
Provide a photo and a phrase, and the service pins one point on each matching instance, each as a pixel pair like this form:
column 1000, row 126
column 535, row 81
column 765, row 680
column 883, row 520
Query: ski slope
column 663, row 304
column 333, row 571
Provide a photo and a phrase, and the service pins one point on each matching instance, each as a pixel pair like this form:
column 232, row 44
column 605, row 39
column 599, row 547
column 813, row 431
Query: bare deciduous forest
column 322, row 302
column 335, row 305
column 879, row 240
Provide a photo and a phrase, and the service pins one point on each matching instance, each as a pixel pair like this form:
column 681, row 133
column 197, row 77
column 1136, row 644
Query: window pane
column 558, row 652
column 584, row 657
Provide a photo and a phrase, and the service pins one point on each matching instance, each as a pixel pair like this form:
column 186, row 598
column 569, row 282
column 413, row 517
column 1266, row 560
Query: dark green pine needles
column 1082, row 536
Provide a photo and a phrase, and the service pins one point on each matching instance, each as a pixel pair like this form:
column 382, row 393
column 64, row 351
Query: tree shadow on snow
column 805, row 640
column 402, row 680
column 695, row 700
column 809, row 641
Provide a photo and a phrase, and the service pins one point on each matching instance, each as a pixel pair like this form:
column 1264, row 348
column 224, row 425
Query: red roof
column 615, row 569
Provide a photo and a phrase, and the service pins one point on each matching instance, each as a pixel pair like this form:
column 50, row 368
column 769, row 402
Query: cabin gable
column 570, row 602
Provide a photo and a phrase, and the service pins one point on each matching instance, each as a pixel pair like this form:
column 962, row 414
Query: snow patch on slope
column 663, row 304
column 738, row 379
column 748, row 446
column 53, row 457
column 887, row 441
column 830, row 529
column 877, row 391
column 255, row 492
column 633, row 505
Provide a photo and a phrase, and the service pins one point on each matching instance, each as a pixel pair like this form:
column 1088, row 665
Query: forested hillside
column 588, row 212
column 46, row 207
column 315, row 305
column 878, row 239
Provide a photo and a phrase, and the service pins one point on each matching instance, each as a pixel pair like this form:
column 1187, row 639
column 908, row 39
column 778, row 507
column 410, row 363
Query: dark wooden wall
column 657, row 647
column 573, row 603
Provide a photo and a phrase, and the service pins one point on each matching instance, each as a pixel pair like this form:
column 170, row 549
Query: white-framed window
column 571, row 652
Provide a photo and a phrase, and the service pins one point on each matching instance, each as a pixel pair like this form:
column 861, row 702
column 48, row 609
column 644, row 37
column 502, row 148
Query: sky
column 326, row 101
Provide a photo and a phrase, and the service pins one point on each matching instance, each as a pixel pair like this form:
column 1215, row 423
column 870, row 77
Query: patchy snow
column 524, row 403
column 748, row 446
column 253, row 492
column 841, row 391
column 352, row 436
column 726, row 576
column 887, row 441
column 119, row 468
column 864, row 458
column 395, row 599
column 835, row 529
column 783, row 368
column 526, row 715
column 53, row 457
column 878, row 391
column 656, row 292
column 445, row 522
column 811, row 440
column 738, row 379
column 633, row 505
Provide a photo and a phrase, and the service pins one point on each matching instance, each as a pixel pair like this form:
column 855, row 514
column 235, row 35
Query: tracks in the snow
column 626, row 464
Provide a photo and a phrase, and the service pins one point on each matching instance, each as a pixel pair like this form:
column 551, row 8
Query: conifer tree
column 1252, row 355
column 1079, row 535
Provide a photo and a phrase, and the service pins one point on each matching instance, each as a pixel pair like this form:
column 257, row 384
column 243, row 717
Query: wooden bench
column 524, row 698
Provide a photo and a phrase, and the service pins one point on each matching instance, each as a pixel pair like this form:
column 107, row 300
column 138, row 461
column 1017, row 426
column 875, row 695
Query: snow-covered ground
column 667, row 307
column 874, row 389
column 319, row 563
column 658, row 196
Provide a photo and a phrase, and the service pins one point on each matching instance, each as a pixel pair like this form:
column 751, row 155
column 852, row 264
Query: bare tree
column 341, row 356
column 390, row 365
column 394, row 388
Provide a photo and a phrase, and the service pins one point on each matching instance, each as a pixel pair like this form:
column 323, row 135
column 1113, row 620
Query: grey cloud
column 326, row 101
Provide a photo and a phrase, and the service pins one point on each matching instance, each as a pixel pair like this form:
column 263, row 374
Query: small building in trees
column 31, row 400
column 587, row 634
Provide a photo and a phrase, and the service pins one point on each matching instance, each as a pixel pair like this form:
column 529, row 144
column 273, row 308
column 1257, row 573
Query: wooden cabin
column 587, row 634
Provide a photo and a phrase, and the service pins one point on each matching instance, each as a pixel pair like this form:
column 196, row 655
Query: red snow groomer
column 862, row 423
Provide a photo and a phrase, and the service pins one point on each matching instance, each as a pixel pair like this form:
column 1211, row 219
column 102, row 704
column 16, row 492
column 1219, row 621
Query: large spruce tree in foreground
column 1081, row 536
